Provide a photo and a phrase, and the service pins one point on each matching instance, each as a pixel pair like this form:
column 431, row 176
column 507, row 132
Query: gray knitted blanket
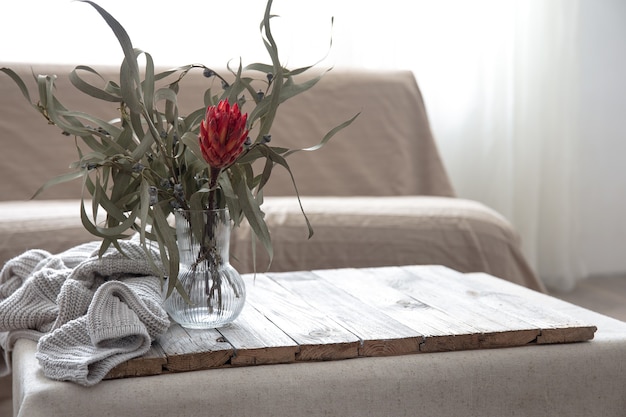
column 87, row 313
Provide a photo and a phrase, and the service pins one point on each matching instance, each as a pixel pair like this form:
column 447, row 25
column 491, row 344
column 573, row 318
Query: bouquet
column 151, row 160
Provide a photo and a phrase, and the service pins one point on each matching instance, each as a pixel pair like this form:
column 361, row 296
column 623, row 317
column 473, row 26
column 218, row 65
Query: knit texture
column 88, row 313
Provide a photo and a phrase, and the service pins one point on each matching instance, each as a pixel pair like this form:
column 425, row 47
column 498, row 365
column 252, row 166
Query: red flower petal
column 222, row 134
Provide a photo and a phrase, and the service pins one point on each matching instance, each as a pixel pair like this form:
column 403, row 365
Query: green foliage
column 147, row 163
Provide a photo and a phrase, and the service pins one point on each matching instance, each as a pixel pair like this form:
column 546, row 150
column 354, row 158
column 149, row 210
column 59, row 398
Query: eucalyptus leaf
column 70, row 176
column 129, row 86
column 270, row 154
column 148, row 86
column 264, row 68
column 326, row 137
column 191, row 142
column 169, row 94
column 254, row 215
column 144, row 207
column 89, row 89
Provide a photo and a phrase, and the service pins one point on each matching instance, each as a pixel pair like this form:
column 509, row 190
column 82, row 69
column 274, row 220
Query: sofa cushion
column 349, row 232
column 367, row 232
column 52, row 225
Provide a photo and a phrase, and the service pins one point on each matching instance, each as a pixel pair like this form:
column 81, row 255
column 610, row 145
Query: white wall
column 174, row 32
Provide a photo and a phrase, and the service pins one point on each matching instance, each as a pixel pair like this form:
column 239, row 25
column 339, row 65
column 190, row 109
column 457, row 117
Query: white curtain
column 506, row 116
column 527, row 100
column 529, row 115
column 526, row 97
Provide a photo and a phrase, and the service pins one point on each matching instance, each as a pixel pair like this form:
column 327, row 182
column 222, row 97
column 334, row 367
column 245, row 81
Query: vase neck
column 203, row 235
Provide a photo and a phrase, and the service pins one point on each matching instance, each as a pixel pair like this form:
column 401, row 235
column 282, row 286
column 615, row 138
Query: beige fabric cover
column 366, row 232
column 579, row 379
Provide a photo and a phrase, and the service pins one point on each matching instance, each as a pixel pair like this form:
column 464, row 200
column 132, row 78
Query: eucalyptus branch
column 145, row 175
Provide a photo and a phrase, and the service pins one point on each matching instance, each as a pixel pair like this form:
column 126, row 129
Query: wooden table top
column 349, row 313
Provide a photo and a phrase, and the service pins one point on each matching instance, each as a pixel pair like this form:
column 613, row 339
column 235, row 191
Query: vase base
column 202, row 319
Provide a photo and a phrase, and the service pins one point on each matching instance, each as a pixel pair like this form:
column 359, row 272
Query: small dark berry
column 178, row 191
column 154, row 195
column 103, row 131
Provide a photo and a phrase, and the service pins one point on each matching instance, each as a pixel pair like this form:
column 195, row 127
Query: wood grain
column 188, row 350
column 317, row 335
column 379, row 335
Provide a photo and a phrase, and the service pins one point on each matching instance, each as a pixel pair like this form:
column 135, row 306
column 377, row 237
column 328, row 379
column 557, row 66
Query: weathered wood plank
column 188, row 350
column 441, row 331
column 442, row 296
column 380, row 335
column 318, row 337
column 496, row 330
column 558, row 326
column 511, row 305
column 452, row 332
column 566, row 335
column 257, row 340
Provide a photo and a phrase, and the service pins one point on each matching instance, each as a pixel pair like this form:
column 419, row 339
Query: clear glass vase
column 215, row 289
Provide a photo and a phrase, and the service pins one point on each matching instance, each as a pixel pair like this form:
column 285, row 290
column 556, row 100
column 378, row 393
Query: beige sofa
column 377, row 195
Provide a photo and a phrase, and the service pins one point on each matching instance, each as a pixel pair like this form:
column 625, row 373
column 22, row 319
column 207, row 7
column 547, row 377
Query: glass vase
column 216, row 290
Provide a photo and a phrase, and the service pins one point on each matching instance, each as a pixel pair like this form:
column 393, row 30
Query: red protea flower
column 222, row 134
